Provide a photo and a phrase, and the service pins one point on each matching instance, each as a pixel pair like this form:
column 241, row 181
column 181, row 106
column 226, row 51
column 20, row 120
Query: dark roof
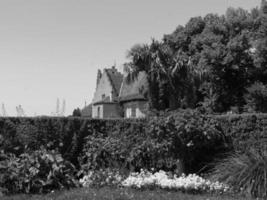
column 116, row 79
column 133, row 97
column 134, row 90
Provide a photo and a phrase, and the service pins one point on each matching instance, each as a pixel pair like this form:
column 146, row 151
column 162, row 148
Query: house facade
column 114, row 97
column 105, row 101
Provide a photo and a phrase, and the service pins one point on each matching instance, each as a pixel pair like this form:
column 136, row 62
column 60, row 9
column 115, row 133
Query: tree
column 77, row 112
column 256, row 98
column 208, row 62
column 261, row 46
column 168, row 73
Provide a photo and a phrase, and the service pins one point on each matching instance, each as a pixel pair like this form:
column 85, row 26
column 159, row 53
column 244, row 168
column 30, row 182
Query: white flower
column 161, row 179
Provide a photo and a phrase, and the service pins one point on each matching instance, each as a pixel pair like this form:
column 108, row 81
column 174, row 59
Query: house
column 132, row 97
column 114, row 97
column 86, row 111
column 105, row 102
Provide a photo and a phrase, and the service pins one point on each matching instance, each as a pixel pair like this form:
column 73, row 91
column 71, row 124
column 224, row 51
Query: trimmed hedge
column 67, row 135
column 187, row 136
column 183, row 145
column 246, row 131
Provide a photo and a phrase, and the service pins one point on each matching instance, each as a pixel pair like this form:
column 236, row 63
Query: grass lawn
column 107, row 193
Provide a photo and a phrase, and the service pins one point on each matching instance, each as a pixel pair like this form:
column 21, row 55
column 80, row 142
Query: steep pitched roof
column 115, row 78
column 135, row 90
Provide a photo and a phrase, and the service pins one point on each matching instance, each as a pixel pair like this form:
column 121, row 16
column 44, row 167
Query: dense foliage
column 245, row 131
column 77, row 112
column 246, row 172
column 185, row 141
column 256, row 98
column 18, row 135
column 72, row 136
column 36, row 172
column 207, row 63
column 181, row 144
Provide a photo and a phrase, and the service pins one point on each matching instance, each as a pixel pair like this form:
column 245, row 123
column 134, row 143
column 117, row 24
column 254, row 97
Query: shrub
column 247, row 172
column 256, row 98
column 100, row 178
column 244, row 131
column 183, row 143
column 40, row 171
column 202, row 138
column 18, row 135
column 113, row 149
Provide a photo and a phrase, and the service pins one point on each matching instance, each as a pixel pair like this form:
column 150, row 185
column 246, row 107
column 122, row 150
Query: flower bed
column 161, row 179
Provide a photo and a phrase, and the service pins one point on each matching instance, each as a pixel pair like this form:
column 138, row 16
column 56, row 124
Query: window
column 98, row 112
column 128, row 112
column 139, row 113
column 103, row 96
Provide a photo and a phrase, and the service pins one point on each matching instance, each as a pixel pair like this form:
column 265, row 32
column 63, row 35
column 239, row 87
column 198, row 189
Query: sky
column 52, row 49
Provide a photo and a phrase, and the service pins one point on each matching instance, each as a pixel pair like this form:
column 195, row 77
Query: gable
column 104, row 89
column 108, row 85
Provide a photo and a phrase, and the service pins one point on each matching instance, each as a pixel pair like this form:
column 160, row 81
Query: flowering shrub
column 190, row 183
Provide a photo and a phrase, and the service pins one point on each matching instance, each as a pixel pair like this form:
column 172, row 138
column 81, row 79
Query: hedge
column 246, row 131
column 161, row 142
column 20, row 134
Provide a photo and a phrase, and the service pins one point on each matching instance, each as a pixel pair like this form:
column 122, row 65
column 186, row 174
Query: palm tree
column 170, row 74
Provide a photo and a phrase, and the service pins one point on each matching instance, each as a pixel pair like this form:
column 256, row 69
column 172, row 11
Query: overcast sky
column 52, row 49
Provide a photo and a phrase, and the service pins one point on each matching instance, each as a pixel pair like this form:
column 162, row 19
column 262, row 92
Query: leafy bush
column 182, row 143
column 18, row 135
column 102, row 177
column 245, row 172
column 245, row 131
column 40, row 171
column 202, row 137
column 256, row 98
